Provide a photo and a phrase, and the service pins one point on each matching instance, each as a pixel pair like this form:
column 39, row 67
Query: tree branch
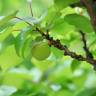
column 56, row 43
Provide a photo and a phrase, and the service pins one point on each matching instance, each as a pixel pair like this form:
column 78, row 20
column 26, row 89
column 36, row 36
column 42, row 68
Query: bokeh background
column 58, row 75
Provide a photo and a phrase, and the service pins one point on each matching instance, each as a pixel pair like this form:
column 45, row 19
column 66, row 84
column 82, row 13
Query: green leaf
column 6, row 42
column 61, row 72
column 80, row 22
column 39, row 38
column 21, row 38
column 27, row 47
column 79, row 78
column 38, row 7
column 43, row 65
column 18, row 75
column 64, row 3
column 5, row 33
column 9, row 58
column 7, row 18
column 87, row 92
column 34, row 20
column 75, row 64
column 5, row 26
column 52, row 16
column 62, row 29
column 9, row 40
column 26, row 63
column 58, row 53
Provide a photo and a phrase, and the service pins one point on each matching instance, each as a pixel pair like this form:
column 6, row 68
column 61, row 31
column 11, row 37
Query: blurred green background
column 56, row 76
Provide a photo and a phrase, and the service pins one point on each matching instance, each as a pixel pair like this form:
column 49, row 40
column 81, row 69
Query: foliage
column 29, row 65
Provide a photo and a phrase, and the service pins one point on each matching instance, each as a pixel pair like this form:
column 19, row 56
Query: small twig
column 30, row 5
column 86, row 49
column 23, row 20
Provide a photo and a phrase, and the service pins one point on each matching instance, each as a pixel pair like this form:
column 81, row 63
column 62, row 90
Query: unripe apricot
column 41, row 50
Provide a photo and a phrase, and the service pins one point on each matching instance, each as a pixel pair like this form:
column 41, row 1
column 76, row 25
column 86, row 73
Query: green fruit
column 41, row 50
